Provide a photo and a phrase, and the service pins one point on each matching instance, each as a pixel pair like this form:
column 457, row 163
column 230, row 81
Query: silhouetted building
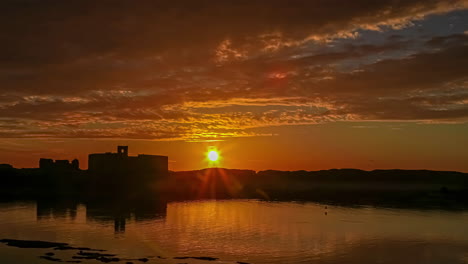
column 63, row 164
column 120, row 169
column 46, row 163
column 50, row 164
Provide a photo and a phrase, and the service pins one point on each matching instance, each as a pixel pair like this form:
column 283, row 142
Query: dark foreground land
column 84, row 253
column 394, row 188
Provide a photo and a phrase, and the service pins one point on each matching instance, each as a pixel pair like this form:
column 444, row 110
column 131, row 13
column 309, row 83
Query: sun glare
column 213, row 155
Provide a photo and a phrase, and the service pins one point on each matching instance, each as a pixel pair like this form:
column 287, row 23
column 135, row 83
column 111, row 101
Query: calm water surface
column 240, row 230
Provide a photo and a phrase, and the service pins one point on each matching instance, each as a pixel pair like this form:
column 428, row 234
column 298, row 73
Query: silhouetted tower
column 75, row 164
column 123, row 150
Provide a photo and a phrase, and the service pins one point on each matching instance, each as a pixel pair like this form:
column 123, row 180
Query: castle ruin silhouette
column 122, row 163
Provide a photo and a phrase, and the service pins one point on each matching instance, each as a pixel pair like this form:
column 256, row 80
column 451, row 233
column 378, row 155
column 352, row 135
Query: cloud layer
column 203, row 70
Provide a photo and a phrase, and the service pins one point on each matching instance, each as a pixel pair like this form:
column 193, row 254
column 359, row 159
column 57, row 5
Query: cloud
column 193, row 70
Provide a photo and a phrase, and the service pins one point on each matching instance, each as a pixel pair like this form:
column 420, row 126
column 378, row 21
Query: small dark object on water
column 51, row 258
column 107, row 260
column 128, row 262
column 205, row 258
column 143, row 259
column 73, row 261
column 49, row 254
column 240, row 262
column 159, row 257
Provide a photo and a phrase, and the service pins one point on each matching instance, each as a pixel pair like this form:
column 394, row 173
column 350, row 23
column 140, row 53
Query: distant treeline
column 335, row 185
column 390, row 187
column 349, row 177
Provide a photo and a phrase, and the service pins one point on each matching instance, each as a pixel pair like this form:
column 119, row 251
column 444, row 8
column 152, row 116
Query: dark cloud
column 423, row 71
column 448, row 40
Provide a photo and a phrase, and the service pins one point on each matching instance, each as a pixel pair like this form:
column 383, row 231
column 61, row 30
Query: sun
column 213, row 155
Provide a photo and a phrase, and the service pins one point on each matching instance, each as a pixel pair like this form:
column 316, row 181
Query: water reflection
column 122, row 211
column 117, row 212
column 47, row 209
column 244, row 230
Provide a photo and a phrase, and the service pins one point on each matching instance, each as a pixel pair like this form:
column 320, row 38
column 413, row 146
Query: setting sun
column 213, row 155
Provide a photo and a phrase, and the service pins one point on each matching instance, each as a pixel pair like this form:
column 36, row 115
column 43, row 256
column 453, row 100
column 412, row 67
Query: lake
column 250, row 231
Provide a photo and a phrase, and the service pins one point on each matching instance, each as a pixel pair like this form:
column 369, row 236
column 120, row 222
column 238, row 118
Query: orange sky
column 338, row 145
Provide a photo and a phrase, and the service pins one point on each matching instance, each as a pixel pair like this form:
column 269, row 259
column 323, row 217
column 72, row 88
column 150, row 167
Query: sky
column 272, row 84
